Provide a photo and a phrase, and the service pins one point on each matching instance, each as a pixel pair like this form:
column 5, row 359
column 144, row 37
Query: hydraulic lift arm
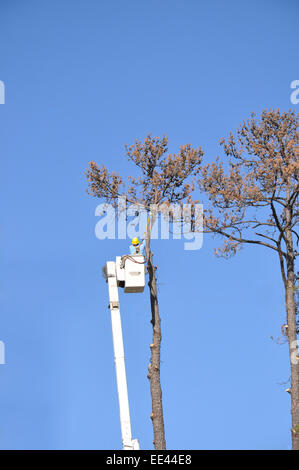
column 119, row 359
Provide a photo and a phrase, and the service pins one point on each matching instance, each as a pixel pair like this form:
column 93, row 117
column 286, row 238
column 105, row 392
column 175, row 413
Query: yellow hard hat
column 135, row 241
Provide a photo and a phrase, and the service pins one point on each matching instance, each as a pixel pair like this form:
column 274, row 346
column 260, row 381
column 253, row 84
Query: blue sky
column 82, row 79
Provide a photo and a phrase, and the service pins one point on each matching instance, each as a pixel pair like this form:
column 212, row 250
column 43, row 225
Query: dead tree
column 253, row 199
column 164, row 179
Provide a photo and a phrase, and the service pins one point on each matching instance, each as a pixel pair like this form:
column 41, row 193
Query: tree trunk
column 154, row 367
column 294, row 362
column 292, row 336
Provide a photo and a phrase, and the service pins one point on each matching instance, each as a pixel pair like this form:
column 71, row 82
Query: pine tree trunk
column 293, row 352
column 154, row 367
column 292, row 334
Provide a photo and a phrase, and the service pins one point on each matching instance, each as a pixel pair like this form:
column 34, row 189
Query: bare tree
column 253, row 198
column 164, row 179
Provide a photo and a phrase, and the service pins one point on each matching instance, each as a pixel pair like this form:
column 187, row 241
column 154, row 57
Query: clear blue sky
column 82, row 79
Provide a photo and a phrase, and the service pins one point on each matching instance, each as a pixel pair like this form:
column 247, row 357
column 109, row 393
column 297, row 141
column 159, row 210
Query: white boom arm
column 119, row 359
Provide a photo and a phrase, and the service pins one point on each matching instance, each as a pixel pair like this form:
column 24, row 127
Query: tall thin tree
column 253, row 198
column 165, row 179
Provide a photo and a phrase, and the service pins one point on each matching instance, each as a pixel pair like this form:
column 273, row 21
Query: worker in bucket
column 136, row 248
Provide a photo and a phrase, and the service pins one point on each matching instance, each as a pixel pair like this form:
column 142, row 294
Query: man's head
column 135, row 241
